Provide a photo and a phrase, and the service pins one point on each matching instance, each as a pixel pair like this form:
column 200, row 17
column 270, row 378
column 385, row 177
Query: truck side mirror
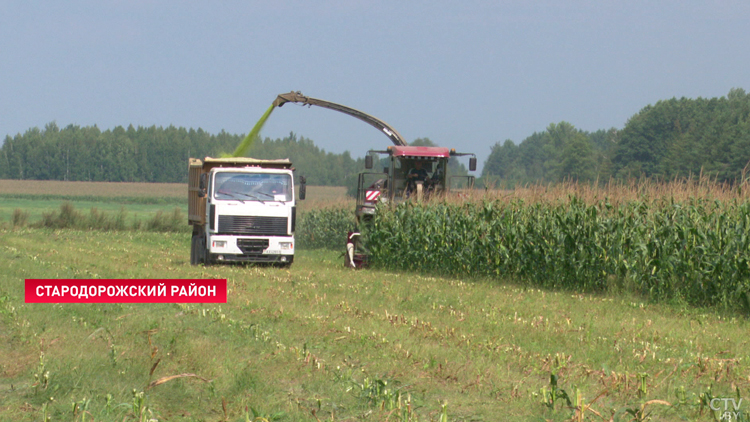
column 202, row 185
column 368, row 161
column 385, row 170
column 472, row 164
column 302, row 187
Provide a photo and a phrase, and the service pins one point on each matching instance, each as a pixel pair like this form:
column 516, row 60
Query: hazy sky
column 465, row 74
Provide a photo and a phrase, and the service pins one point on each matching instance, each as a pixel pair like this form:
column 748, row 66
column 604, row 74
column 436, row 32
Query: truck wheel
column 202, row 250
column 194, row 250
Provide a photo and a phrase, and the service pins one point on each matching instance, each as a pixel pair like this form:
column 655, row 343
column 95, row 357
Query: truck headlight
column 285, row 246
column 219, row 243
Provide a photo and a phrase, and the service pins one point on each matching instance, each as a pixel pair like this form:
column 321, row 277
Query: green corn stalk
column 696, row 251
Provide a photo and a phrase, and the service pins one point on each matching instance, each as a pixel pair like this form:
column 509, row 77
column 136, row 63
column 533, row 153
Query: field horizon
column 142, row 201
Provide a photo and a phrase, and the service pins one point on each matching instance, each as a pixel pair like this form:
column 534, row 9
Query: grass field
column 97, row 189
column 322, row 343
column 37, row 207
column 141, row 201
column 319, row 342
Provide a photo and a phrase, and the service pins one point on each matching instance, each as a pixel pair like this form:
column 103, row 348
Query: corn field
column 694, row 251
column 324, row 228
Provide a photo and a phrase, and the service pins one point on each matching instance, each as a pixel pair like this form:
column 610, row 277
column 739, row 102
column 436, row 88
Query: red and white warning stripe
column 372, row 195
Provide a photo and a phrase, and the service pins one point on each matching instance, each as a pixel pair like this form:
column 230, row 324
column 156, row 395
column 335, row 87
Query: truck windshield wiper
column 267, row 194
column 231, row 194
column 234, row 194
column 251, row 196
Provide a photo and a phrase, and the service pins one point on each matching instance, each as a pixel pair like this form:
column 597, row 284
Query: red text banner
column 126, row 290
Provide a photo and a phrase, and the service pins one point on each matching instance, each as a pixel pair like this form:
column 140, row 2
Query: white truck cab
column 242, row 210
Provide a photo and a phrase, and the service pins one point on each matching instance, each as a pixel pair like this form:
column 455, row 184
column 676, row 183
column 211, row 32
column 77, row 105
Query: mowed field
column 319, row 342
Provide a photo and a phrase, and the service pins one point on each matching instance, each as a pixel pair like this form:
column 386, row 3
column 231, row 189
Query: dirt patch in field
column 15, row 362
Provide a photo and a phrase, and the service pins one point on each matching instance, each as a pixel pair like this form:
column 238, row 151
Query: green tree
column 577, row 160
column 549, row 156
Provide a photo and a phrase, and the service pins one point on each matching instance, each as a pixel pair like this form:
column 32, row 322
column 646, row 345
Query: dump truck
column 242, row 210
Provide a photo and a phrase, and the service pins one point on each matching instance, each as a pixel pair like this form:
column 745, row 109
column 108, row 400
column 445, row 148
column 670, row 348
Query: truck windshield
column 253, row 186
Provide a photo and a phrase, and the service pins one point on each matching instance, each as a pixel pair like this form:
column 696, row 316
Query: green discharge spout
column 244, row 147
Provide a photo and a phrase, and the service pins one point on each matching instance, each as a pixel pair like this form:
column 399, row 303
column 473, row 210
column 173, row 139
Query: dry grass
column 617, row 192
column 107, row 189
column 322, row 197
column 335, row 196
column 318, row 196
column 326, row 193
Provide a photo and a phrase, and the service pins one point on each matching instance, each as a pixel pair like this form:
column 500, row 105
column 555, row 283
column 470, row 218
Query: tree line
column 153, row 154
column 673, row 138
column 670, row 139
column 158, row 154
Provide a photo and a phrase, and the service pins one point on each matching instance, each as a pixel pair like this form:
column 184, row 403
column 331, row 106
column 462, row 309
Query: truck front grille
column 252, row 225
column 248, row 246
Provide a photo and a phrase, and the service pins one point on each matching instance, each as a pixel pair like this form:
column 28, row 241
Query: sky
column 465, row 74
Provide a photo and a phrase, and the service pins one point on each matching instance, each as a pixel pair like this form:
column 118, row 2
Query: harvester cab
column 412, row 172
